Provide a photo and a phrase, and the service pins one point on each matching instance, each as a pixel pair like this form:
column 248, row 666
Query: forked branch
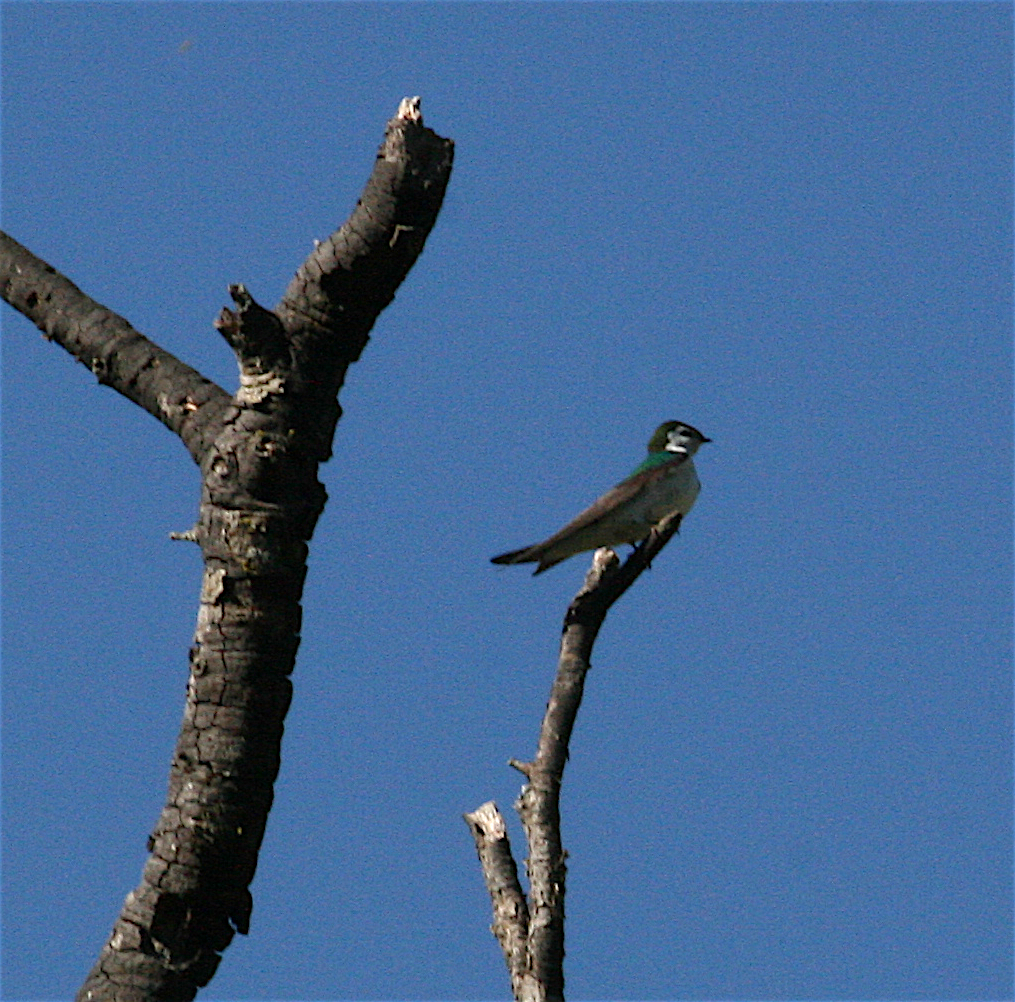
column 531, row 930
column 259, row 452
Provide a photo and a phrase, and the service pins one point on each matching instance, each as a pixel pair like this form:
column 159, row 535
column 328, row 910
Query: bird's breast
column 675, row 492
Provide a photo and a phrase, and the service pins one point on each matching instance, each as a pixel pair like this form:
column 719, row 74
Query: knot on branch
column 259, row 340
column 188, row 938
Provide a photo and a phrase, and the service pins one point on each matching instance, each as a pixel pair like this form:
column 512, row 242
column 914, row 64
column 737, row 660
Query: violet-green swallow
column 666, row 482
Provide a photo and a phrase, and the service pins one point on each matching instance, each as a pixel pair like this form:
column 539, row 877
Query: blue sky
column 789, row 224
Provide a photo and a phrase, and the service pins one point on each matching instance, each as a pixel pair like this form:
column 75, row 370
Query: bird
column 664, row 484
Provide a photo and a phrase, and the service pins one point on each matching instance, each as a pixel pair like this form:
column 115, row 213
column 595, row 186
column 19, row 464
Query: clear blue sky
column 789, row 224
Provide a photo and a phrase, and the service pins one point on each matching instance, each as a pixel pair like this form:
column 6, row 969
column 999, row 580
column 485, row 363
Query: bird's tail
column 514, row 557
column 528, row 555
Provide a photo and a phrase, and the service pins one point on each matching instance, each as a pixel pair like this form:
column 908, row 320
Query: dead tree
column 258, row 452
column 530, row 929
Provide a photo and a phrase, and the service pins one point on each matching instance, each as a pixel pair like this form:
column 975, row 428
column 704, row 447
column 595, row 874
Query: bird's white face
column 683, row 439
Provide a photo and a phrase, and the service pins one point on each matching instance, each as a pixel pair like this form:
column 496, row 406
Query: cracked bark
column 530, row 929
column 258, row 452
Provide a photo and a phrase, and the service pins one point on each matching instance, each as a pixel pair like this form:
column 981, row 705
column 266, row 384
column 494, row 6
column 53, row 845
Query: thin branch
column 510, row 909
column 537, row 974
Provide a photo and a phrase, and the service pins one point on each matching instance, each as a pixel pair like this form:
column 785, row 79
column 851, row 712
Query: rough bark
column 181, row 398
column 258, row 452
column 531, row 930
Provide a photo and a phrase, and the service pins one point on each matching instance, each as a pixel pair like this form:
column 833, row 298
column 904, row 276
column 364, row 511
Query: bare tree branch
column 537, row 972
column 120, row 357
column 510, row 909
column 259, row 452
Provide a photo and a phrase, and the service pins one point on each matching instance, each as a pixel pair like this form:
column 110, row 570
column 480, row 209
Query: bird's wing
column 626, row 491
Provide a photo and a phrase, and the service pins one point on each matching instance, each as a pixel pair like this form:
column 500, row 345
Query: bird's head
column 676, row 437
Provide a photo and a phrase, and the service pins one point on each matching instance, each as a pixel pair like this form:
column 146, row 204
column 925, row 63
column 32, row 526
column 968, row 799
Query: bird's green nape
column 651, row 461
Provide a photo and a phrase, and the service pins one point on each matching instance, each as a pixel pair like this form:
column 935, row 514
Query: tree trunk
column 258, row 453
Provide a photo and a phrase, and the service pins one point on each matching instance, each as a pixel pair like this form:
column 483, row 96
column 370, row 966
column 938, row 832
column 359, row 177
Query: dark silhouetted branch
column 120, row 357
column 259, row 453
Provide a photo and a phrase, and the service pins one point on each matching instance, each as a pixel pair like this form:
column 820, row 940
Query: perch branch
column 537, row 973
